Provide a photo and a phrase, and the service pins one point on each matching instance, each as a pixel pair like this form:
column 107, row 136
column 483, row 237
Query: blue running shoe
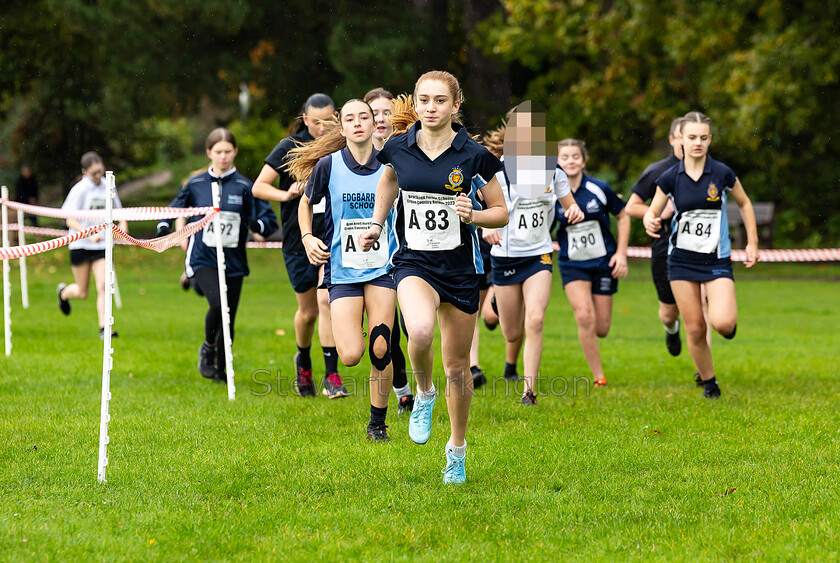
column 454, row 472
column 420, row 423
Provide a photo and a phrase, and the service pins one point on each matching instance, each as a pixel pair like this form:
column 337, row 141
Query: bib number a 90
column 585, row 241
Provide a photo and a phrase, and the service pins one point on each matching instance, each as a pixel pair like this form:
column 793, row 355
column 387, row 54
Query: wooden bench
column 765, row 221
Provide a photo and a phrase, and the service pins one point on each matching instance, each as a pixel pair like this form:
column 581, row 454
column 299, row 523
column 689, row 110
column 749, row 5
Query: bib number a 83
column 431, row 222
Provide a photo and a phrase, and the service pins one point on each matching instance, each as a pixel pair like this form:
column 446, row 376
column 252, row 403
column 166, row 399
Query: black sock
column 731, row 335
column 474, row 370
column 304, row 359
column 377, row 415
column 510, row 369
column 330, row 359
column 710, row 382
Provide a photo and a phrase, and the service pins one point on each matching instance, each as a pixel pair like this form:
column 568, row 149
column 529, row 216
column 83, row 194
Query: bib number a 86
column 352, row 256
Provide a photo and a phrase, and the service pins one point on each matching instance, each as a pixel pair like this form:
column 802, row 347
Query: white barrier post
column 220, row 259
column 107, row 359
column 117, row 297
column 24, row 285
column 7, row 285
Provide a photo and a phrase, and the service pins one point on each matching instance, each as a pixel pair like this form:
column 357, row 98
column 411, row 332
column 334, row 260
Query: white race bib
column 352, row 256
column 229, row 222
column 699, row 230
column 320, row 207
column 586, row 241
column 431, row 222
column 531, row 220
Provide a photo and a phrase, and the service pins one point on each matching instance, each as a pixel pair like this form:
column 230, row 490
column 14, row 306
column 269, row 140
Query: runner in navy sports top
column 590, row 259
column 699, row 245
column 431, row 166
column 239, row 212
column 318, row 110
column 643, row 191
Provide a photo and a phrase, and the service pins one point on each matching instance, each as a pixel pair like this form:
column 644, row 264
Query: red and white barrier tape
column 158, row 244
column 120, row 214
column 13, row 252
column 769, row 255
column 166, row 242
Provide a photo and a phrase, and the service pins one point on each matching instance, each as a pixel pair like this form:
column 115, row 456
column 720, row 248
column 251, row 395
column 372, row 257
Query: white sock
column 404, row 392
column 459, row 451
column 673, row 329
column 427, row 395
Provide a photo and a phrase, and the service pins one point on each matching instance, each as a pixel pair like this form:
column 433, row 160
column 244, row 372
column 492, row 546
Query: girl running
column 239, row 212
column 699, row 246
column 590, row 259
column 431, row 164
column 379, row 99
column 532, row 184
column 318, row 112
column 341, row 168
column 87, row 255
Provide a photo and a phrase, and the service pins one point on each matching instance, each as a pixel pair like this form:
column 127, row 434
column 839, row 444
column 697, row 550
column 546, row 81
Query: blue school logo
column 456, row 178
column 713, row 192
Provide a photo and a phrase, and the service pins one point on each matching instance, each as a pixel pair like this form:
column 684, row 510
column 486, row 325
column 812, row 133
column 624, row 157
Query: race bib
column 229, row 222
column 699, row 230
column 586, row 241
column 431, row 222
column 531, row 220
column 352, row 255
column 320, row 207
column 96, row 203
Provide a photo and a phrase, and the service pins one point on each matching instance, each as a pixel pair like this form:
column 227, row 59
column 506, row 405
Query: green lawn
column 644, row 468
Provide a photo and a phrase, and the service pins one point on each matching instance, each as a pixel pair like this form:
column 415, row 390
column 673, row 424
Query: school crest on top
column 456, row 178
column 713, row 192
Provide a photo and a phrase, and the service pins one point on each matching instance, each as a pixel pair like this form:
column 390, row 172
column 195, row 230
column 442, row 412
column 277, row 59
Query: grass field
column 644, row 468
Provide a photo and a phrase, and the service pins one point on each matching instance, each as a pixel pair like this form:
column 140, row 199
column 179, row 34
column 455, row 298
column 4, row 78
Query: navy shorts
column 510, row 271
column 83, row 256
column 461, row 291
column 339, row 290
column 600, row 277
column 302, row 274
column 700, row 272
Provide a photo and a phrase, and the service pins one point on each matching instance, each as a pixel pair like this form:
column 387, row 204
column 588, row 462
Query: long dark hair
column 317, row 101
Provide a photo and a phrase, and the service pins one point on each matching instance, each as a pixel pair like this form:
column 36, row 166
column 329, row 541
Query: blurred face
column 435, row 105
column 26, row 172
column 528, row 166
column 95, row 172
column 221, row 155
column 381, row 112
column 676, row 144
column 571, row 160
column 356, row 122
column 316, row 120
column 696, row 138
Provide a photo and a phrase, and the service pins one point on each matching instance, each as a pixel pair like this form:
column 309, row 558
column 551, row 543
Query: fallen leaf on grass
column 280, row 332
column 152, row 541
column 726, row 492
column 654, row 432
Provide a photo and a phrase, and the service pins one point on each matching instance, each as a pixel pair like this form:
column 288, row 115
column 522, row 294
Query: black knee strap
column 382, row 330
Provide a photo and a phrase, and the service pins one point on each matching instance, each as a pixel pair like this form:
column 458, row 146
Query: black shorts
column 461, row 291
column 511, row 271
column 302, row 274
column 486, row 279
column 659, row 266
column 82, row 256
column 339, row 290
column 700, row 272
column 600, row 277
